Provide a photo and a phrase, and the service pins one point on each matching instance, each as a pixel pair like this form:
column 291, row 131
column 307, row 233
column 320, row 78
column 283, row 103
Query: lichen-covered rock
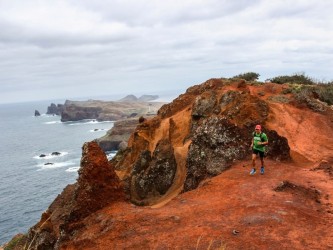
column 152, row 176
column 216, row 143
column 204, row 105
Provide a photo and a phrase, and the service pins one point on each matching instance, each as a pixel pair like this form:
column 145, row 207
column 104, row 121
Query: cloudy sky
column 53, row 49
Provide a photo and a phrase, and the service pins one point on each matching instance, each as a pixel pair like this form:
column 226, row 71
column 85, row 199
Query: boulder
column 37, row 113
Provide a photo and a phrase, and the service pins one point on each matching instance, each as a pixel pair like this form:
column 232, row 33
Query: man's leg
column 254, row 157
column 262, row 169
column 253, row 170
column 262, row 161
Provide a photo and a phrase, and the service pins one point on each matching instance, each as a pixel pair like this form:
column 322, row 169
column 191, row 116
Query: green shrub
column 249, row 76
column 325, row 93
column 296, row 78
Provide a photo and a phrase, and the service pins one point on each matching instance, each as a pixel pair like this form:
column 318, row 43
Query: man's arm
column 265, row 142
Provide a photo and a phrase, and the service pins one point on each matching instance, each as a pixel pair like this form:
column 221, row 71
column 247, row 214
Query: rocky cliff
column 188, row 169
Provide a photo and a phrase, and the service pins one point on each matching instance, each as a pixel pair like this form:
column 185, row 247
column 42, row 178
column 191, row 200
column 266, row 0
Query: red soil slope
column 299, row 216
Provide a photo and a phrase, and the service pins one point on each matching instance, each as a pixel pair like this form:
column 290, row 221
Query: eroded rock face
column 97, row 186
column 152, row 176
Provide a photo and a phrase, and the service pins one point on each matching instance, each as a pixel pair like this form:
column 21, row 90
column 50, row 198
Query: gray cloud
column 59, row 49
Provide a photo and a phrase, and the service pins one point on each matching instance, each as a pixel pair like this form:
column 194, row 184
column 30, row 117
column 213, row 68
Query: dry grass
column 212, row 245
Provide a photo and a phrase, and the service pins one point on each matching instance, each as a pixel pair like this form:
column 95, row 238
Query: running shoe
column 262, row 170
column 253, row 171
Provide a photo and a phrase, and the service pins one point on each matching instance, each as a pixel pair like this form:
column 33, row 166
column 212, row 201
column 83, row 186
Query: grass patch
column 279, row 99
column 18, row 242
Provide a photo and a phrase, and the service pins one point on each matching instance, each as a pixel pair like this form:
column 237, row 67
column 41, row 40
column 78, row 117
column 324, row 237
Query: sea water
column 28, row 182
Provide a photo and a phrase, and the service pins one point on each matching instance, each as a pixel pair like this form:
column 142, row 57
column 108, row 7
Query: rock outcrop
column 96, row 187
column 54, row 109
column 37, row 113
column 211, row 123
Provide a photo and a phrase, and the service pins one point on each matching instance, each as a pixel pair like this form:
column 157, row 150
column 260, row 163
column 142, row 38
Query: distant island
column 128, row 107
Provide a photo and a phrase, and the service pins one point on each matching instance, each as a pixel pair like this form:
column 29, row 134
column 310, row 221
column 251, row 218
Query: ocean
column 28, row 182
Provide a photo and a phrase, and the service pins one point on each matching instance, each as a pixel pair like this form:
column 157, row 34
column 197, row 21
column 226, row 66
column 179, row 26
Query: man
column 259, row 141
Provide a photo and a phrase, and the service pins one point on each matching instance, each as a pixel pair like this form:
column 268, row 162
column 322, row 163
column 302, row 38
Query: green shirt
column 257, row 138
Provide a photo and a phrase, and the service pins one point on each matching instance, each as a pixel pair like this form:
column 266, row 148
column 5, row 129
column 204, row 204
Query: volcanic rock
column 151, row 177
column 54, row 109
column 96, row 187
column 55, row 153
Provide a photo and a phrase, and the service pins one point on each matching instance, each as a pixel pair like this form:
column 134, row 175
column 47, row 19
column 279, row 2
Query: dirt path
column 297, row 217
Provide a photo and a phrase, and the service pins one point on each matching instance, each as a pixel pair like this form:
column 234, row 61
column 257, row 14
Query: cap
column 258, row 127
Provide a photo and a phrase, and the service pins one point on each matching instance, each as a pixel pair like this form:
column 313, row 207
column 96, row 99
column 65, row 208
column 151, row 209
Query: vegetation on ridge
column 248, row 76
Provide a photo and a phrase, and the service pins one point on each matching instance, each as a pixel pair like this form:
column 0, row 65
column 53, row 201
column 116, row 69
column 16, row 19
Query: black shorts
column 256, row 152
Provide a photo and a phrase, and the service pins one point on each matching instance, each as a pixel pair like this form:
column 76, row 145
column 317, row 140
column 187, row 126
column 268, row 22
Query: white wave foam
column 52, row 122
column 97, row 130
column 49, row 156
column 72, row 169
column 111, row 155
column 87, row 122
column 55, row 165
column 48, row 115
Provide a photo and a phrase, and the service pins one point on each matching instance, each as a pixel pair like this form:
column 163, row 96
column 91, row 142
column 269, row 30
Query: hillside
column 107, row 110
column 183, row 181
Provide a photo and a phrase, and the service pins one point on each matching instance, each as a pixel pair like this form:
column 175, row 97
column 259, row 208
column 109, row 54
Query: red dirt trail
column 206, row 217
